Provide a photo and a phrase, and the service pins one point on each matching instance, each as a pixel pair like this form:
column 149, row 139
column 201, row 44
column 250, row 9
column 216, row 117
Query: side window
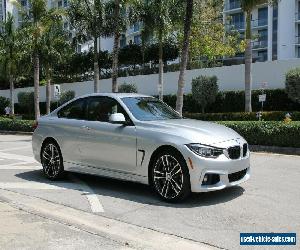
column 100, row 108
column 74, row 110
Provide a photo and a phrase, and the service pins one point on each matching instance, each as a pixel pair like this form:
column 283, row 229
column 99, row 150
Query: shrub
column 26, row 102
column 242, row 116
column 66, row 96
column 292, row 84
column 7, row 124
column 4, row 102
column 128, row 88
column 234, row 101
column 205, row 90
column 268, row 133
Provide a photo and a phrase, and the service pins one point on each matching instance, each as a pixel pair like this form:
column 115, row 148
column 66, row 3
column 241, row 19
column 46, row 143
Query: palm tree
column 36, row 19
column 116, row 22
column 184, row 54
column 55, row 45
column 88, row 19
column 248, row 6
column 9, row 50
column 158, row 18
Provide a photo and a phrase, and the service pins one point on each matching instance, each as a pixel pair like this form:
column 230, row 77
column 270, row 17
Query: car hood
column 195, row 131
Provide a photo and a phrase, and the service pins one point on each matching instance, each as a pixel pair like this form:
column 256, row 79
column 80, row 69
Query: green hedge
column 268, row 133
column 7, row 124
column 242, row 116
column 234, row 101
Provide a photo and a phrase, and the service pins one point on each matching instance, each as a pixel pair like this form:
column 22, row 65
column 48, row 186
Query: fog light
column 211, row 179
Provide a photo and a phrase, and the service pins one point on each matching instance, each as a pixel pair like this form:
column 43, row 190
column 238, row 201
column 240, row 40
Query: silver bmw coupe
column 139, row 138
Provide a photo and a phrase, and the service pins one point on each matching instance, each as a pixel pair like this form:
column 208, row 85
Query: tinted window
column 149, row 109
column 100, row 108
column 74, row 110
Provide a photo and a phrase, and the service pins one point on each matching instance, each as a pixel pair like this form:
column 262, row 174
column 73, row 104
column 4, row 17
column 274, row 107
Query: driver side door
column 108, row 146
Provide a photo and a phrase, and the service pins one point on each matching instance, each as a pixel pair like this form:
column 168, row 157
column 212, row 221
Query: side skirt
column 73, row 167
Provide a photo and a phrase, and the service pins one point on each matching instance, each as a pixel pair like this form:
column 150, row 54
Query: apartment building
column 132, row 34
column 2, row 9
column 276, row 29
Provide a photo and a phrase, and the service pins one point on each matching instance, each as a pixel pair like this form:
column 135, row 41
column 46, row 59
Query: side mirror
column 117, row 118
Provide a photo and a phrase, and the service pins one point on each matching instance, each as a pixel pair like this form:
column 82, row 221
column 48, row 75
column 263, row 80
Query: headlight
column 205, row 151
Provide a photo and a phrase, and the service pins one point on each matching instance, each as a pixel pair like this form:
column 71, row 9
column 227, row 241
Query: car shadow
column 132, row 191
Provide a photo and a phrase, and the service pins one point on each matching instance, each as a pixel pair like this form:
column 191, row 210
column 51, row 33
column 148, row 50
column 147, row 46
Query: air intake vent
column 237, row 175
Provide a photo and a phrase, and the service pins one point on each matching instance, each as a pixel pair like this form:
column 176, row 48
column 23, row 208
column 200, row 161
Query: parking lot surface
column 268, row 202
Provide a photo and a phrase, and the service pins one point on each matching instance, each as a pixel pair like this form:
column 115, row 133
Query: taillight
column 35, row 125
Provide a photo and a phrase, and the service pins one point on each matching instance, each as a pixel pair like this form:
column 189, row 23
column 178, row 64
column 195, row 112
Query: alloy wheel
column 51, row 161
column 168, row 177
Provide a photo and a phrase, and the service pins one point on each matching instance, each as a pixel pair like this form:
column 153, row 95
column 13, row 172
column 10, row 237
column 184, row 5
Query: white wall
column 230, row 78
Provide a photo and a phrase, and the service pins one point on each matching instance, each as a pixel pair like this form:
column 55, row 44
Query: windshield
column 149, row 109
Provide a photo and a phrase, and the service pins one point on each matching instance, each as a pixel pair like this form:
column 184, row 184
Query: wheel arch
column 157, row 151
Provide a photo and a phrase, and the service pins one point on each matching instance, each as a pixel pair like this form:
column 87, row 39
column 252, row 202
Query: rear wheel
column 52, row 161
column 170, row 176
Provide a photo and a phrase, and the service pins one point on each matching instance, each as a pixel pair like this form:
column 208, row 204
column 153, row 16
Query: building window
column 123, row 41
column 234, row 4
column 137, row 40
column 263, row 35
column 136, row 27
column 237, row 20
column 263, row 16
column 79, row 48
column 66, row 25
column 262, row 56
column 24, row 3
column 65, row 3
column 59, row 4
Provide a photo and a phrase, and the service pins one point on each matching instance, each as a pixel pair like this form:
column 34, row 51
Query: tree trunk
column 96, row 66
column 115, row 61
column 248, row 64
column 48, row 96
column 202, row 109
column 160, row 67
column 184, row 55
column 36, row 65
column 11, row 92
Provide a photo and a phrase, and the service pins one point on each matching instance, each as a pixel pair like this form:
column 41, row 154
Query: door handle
column 85, row 127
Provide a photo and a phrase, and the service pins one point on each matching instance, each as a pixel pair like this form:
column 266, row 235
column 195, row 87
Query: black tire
column 52, row 163
column 170, row 176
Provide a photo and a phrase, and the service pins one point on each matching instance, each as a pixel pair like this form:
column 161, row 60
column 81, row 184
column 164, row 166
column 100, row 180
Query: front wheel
column 170, row 176
column 52, row 161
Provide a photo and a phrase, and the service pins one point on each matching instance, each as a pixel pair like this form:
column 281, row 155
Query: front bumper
column 229, row 172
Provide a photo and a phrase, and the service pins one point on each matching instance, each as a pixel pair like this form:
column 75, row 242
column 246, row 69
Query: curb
column 275, row 150
column 129, row 234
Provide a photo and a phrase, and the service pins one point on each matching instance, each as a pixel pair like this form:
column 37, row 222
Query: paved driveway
column 268, row 202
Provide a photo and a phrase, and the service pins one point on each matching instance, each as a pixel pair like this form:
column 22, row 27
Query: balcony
column 259, row 23
column 297, row 17
column 232, row 5
column 297, row 40
column 257, row 45
column 236, row 26
column 133, row 29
